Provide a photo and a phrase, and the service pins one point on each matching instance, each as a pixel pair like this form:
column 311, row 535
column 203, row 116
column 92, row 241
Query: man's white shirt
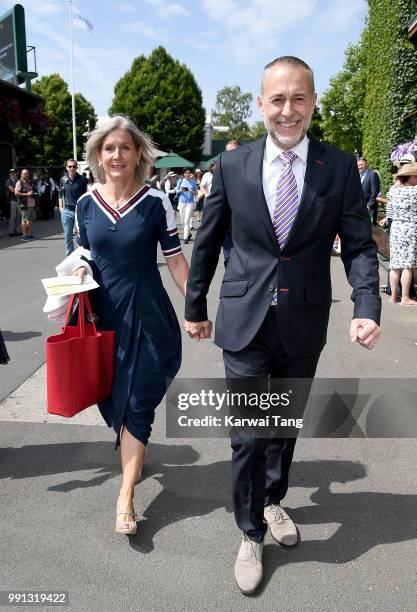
column 272, row 166
column 207, row 181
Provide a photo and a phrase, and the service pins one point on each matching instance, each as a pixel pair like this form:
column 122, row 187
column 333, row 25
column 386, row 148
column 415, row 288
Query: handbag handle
column 83, row 302
column 86, row 303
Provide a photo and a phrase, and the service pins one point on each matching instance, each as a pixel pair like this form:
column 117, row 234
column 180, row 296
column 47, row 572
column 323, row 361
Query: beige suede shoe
column 283, row 529
column 248, row 566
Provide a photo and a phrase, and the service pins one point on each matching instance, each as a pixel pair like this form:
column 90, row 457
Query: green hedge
column 391, row 83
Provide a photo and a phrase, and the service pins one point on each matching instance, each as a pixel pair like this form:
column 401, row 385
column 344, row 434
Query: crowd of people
column 33, row 198
column 187, row 191
column 29, row 199
column 37, row 198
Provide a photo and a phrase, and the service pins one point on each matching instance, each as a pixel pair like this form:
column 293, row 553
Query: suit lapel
column 316, row 166
column 255, row 163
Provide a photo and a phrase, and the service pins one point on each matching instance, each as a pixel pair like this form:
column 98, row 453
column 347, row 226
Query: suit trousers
column 260, row 466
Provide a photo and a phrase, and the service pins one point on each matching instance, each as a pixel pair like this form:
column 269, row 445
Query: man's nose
column 287, row 108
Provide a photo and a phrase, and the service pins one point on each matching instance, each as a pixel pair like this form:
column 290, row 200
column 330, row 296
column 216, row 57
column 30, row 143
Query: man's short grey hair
column 289, row 59
column 104, row 127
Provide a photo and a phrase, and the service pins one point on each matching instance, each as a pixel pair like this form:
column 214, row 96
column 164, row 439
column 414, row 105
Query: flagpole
column 74, row 132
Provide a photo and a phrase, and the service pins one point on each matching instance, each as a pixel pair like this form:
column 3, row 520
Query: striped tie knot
column 288, row 157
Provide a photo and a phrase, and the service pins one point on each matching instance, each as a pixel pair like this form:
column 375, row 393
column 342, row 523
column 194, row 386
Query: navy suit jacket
column 370, row 188
column 331, row 203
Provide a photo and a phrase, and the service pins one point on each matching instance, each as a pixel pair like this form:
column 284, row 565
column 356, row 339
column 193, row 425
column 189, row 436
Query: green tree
column 29, row 148
column 233, row 107
column 316, row 128
column 343, row 103
column 257, row 130
column 163, row 98
column 53, row 148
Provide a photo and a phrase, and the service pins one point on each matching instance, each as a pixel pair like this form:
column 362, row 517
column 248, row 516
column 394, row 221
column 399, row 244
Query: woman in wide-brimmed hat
column 402, row 209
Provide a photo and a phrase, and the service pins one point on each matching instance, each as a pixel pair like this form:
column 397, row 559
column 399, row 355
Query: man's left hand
column 200, row 330
column 365, row 332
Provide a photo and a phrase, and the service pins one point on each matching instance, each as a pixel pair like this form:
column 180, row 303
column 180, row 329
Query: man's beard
column 271, row 129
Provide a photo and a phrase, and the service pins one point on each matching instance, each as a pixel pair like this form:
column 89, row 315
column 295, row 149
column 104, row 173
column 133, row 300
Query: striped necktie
column 286, row 202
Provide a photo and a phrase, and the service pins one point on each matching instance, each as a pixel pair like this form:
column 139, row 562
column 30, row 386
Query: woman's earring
column 138, row 162
column 100, row 164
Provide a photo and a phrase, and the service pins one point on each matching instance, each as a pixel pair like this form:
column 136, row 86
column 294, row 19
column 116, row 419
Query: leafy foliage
column 316, row 128
column 391, row 83
column 257, row 130
column 163, row 98
column 342, row 104
column 233, row 107
column 370, row 105
column 54, row 147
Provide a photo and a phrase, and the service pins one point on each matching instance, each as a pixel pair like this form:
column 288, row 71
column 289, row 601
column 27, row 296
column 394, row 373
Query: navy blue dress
column 132, row 301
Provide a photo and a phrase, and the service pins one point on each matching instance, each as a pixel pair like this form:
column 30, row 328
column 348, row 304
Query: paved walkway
column 353, row 499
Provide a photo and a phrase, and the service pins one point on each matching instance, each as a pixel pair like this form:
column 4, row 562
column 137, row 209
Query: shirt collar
column 272, row 150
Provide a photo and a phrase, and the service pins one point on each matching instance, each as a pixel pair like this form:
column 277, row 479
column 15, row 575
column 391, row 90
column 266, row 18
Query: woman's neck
column 118, row 192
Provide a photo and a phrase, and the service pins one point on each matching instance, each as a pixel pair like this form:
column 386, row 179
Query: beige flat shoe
column 126, row 527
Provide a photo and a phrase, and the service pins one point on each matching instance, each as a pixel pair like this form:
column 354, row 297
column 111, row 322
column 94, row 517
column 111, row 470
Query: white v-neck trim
column 116, row 214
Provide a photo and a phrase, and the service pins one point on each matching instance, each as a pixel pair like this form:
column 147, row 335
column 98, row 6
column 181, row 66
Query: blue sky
column 223, row 42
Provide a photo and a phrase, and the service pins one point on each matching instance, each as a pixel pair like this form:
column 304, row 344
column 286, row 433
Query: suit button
column 271, row 288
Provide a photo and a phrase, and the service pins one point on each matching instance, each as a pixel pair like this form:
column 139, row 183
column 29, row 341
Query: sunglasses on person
column 71, row 167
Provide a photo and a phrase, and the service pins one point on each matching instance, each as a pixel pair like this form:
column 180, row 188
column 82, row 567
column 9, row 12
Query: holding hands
column 200, row 330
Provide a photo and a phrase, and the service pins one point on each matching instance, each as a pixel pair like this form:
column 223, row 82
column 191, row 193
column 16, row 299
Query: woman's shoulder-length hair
column 104, row 127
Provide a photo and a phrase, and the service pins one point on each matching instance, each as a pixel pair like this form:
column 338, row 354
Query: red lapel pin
column 319, row 162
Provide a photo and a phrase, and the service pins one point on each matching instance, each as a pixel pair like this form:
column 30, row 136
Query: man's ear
column 260, row 105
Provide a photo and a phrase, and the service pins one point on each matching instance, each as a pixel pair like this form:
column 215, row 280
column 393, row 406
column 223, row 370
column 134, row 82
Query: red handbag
column 79, row 363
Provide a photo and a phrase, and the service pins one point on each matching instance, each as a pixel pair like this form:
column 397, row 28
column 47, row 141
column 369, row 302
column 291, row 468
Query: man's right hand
column 200, row 330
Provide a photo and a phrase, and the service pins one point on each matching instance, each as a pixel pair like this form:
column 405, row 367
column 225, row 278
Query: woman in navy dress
column 121, row 222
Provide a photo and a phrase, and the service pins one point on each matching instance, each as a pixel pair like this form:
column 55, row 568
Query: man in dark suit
column 370, row 187
column 285, row 196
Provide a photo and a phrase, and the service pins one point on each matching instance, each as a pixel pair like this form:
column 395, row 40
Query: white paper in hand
column 67, row 285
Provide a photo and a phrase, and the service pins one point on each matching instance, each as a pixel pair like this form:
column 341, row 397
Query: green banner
column 13, row 58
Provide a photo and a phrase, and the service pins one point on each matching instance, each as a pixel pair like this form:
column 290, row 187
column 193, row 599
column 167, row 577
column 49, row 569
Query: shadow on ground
column 365, row 519
column 16, row 336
